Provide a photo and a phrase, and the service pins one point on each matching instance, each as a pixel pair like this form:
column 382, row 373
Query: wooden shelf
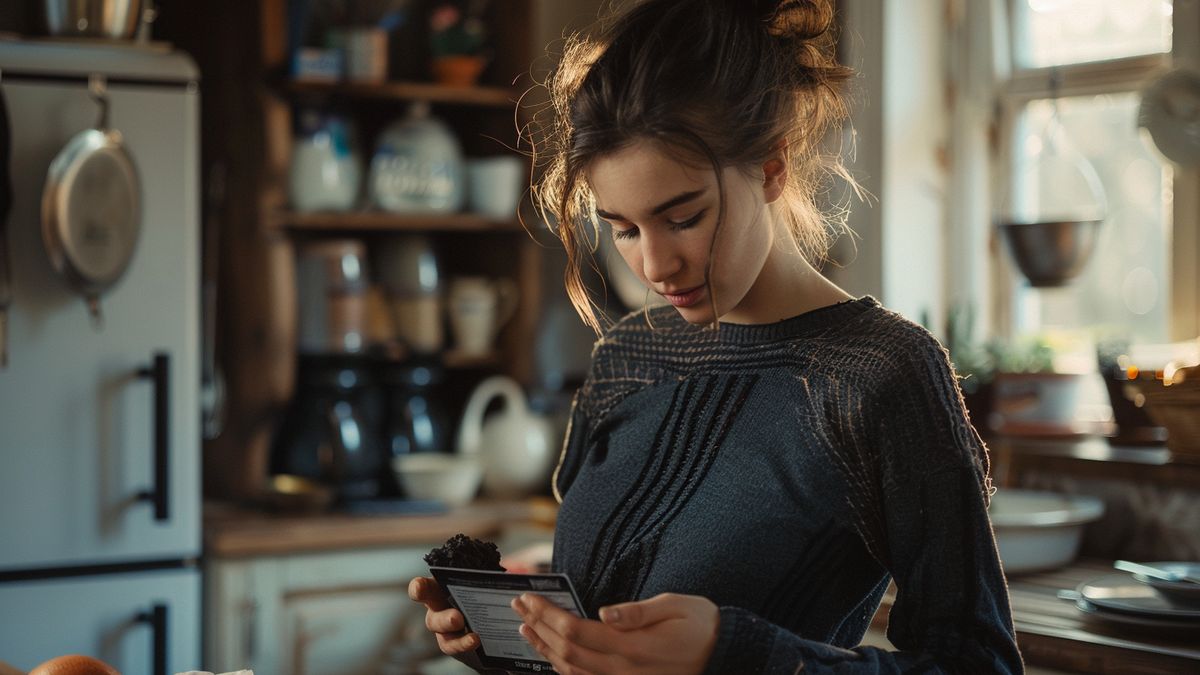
column 488, row 97
column 377, row 221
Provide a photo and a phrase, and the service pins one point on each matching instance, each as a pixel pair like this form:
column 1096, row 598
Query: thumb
column 631, row 615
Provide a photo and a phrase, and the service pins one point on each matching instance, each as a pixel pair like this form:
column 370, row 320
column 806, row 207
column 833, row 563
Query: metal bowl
column 112, row 19
column 1052, row 253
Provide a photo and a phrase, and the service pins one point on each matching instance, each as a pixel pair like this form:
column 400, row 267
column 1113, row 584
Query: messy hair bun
column 726, row 81
column 796, row 19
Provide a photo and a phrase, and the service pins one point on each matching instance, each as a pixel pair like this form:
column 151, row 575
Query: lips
column 685, row 298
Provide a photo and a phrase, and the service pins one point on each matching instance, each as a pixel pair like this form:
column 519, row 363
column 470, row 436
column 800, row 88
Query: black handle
column 160, row 373
column 157, row 618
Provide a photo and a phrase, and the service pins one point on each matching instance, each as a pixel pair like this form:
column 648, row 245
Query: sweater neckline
column 806, row 323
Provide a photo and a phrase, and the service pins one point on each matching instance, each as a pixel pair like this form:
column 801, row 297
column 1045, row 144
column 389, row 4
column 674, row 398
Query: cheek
column 632, row 255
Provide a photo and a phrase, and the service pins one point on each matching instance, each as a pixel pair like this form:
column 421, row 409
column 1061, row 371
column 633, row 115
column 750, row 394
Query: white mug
column 478, row 308
column 495, row 185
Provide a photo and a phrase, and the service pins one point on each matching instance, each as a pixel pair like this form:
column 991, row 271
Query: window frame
column 1123, row 75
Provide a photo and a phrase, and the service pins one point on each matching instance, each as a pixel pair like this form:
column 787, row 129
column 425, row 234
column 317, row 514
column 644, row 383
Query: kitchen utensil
column 1182, row 591
column 516, row 446
column 325, row 173
column 331, row 432
column 409, row 270
column 1170, row 111
column 6, row 197
column 417, row 420
column 478, row 308
column 1176, row 574
column 417, row 166
column 113, row 19
column 1039, row 530
column 1051, row 253
column 453, row 479
column 1122, row 593
column 1053, row 202
column 331, row 280
column 494, row 186
column 91, row 207
column 1137, row 621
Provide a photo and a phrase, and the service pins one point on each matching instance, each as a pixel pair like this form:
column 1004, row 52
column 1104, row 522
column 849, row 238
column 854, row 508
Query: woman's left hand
column 669, row 633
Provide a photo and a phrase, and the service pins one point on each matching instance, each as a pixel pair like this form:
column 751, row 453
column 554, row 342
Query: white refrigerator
column 99, row 425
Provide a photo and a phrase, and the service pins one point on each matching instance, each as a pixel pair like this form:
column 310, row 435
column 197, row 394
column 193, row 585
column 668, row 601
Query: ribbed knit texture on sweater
column 786, row 472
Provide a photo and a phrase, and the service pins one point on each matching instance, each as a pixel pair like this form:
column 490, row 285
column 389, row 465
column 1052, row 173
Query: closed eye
column 632, row 232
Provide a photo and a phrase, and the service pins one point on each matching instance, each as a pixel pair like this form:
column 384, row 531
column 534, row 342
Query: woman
column 747, row 469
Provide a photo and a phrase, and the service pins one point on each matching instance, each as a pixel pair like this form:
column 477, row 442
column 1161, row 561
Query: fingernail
column 610, row 614
column 518, row 606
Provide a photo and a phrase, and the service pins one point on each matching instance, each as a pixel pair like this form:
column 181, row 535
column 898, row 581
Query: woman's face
column 664, row 214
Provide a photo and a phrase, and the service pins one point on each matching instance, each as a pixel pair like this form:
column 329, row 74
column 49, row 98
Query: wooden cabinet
column 249, row 105
column 327, row 595
column 318, row 614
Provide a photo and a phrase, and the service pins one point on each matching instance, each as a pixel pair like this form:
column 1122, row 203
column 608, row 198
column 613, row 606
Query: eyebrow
column 678, row 199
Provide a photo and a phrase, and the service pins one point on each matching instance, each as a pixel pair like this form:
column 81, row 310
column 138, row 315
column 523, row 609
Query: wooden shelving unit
column 482, row 96
column 379, row 221
column 250, row 106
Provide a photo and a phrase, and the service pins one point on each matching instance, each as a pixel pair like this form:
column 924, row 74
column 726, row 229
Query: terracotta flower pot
column 458, row 71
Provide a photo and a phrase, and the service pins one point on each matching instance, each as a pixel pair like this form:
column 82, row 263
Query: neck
column 787, row 286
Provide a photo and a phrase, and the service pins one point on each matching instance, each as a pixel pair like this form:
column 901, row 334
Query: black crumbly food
column 463, row 552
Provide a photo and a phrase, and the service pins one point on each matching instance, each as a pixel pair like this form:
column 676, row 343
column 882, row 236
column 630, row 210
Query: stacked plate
column 1140, row 601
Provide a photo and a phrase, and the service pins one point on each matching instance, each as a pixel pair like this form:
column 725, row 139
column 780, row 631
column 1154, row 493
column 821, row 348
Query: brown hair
column 723, row 81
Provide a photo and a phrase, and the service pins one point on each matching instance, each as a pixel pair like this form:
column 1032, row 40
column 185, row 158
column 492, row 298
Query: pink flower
column 444, row 17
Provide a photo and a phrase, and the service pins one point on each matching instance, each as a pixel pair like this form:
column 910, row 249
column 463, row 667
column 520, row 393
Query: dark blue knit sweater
column 787, row 472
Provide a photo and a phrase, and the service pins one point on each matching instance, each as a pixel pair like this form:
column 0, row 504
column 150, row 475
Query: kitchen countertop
column 231, row 531
column 1053, row 633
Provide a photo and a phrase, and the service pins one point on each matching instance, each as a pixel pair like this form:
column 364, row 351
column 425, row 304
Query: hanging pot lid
column 91, row 209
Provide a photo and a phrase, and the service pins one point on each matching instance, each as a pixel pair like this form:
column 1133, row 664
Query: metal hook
column 98, row 91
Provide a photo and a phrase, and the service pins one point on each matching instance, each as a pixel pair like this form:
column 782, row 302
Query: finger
column 630, row 615
column 566, row 637
column 451, row 645
column 561, row 666
column 592, row 634
column 542, row 648
column 427, row 591
column 445, row 621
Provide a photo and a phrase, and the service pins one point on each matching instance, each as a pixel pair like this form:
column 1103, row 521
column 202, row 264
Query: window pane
column 1058, row 32
column 1124, row 288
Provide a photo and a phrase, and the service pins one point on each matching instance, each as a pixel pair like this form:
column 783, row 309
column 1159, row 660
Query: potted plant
column 1031, row 397
column 972, row 363
column 458, row 37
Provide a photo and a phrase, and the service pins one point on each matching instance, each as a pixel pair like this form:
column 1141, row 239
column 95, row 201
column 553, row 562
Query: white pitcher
column 517, row 447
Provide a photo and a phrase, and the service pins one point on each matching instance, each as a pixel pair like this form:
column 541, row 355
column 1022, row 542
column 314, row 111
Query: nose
column 660, row 258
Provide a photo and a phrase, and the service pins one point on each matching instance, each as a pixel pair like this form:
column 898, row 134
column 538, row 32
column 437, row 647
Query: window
column 1085, row 61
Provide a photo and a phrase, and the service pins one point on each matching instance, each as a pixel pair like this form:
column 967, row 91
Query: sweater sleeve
column 951, row 612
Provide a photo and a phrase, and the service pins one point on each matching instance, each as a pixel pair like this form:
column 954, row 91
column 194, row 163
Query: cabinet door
column 76, row 420
column 336, row 613
column 107, row 617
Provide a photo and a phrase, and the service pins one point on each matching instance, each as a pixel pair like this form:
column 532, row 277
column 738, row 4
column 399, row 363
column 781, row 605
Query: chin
column 699, row 315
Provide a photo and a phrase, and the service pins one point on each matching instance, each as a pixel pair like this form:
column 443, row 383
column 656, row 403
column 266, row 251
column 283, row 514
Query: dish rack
column 1174, row 402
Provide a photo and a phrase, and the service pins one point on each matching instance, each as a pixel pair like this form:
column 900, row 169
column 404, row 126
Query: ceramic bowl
column 1040, row 530
column 453, row 479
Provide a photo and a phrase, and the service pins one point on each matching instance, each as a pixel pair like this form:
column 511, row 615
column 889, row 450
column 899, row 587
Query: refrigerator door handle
column 157, row 618
column 160, row 372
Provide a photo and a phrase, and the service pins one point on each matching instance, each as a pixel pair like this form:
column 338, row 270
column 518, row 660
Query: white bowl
column 1040, row 530
column 453, row 479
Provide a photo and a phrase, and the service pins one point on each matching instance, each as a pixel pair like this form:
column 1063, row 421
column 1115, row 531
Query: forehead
column 640, row 176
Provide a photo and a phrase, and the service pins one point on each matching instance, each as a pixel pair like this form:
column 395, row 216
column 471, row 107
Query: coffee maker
column 332, row 430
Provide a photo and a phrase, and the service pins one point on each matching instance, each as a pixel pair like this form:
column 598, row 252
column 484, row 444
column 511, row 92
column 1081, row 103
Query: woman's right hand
column 441, row 619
